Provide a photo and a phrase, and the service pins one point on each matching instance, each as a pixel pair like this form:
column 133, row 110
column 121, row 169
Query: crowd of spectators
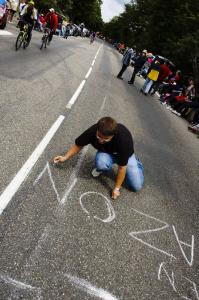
column 64, row 29
column 163, row 79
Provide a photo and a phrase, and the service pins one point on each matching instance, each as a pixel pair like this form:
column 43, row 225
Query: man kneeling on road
column 115, row 146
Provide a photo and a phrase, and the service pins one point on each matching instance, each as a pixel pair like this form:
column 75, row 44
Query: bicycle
column 45, row 38
column 22, row 38
column 92, row 39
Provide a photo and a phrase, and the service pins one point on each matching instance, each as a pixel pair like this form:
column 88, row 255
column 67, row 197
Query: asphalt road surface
column 62, row 237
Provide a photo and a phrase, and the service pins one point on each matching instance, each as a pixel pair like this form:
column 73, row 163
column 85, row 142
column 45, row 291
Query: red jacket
column 52, row 20
column 164, row 72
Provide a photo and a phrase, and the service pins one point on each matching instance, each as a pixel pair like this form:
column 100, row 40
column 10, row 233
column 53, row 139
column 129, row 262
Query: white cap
column 51, row 10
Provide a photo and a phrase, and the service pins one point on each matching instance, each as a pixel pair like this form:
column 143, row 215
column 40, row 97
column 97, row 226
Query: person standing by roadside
column 22, row 5
column 164, row 73
column 125, row 62
column 139, row 62
column 12, row 8
column 152, row 77
column 114, row 144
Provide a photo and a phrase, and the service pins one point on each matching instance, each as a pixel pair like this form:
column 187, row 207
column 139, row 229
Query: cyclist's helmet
column 52, row 10
column 32, row 3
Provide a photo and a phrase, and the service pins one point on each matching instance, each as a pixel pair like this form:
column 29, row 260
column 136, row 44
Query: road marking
column 76, row 94
column 88, row 73
column 80, row 87
column 90, row 289
column 14, row 185
column 5, row 33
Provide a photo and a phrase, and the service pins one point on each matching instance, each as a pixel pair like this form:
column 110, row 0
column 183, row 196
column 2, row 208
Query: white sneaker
column 96, row 173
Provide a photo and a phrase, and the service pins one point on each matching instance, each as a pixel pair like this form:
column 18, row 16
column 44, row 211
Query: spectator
column 138, row 64
column 164, row 73
column 12, row 8
column 126, row 62
column 41, row 22
column 152, row 77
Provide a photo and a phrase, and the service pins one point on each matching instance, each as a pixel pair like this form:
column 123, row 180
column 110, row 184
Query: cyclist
column 92, row 37
column 28, row 16
column 52, row 22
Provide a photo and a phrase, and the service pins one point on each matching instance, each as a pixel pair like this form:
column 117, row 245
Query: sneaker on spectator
column 96, row 173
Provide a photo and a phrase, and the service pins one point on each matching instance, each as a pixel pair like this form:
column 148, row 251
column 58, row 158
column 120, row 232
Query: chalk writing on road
column 47, row 169
column 165, row 226
column 173, row 282
column 180, row 243
column 89, row 288
column 87, row 200
column 18, row 285
column 111, row 211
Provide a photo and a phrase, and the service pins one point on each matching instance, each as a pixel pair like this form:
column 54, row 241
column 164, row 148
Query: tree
column 168, row 28
column 61, row 6
column 87, row 12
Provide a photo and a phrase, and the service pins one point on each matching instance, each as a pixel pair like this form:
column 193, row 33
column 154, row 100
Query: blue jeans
column 147, row 85
column 134, row 173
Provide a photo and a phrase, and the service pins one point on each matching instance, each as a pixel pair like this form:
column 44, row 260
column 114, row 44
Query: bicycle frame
column 45, row 37
column 22, row 37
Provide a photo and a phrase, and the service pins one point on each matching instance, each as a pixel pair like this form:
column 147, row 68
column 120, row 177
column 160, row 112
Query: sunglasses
column 103, row 139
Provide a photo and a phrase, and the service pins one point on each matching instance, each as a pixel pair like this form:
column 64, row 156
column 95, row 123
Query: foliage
column 88, row 12
column 168, row 28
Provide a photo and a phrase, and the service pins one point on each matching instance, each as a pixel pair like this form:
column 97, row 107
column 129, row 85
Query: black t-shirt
column 121, row 144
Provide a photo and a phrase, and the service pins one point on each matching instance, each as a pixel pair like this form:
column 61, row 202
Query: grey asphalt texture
column 50, row 250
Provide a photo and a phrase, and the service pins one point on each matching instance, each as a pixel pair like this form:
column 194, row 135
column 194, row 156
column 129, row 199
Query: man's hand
column 59, row 159
column 115, row 193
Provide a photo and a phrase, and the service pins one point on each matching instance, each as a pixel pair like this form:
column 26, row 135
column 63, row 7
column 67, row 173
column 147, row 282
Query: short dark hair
column 107, row 126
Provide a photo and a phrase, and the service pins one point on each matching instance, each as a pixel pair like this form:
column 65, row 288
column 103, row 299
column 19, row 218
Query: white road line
column 5, row 33
column 76, row 94
column 14, row 185
column 88, row 73
column 79, row 89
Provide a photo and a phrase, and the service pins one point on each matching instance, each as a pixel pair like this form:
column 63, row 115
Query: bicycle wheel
column 19, row 41
column 42, row 42
column 25, row 41
column 46, row 41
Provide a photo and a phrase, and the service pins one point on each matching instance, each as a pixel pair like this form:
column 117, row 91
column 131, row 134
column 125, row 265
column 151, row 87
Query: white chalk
column 90, row 289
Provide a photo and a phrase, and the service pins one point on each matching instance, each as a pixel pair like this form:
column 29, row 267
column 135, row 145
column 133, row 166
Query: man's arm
column 119, row 180
column 70, row 153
